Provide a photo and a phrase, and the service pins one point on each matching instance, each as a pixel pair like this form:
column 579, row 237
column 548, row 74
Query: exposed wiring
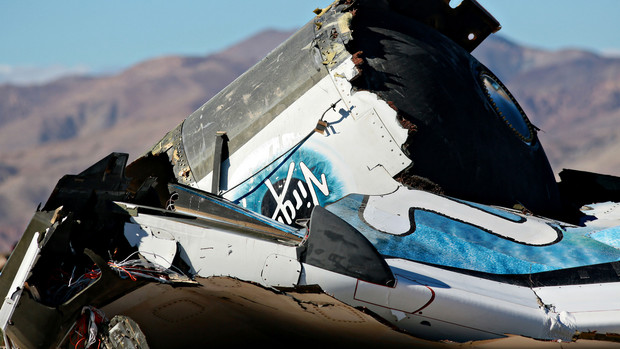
column 288, row 154
column 128, row 268
column 85, row 330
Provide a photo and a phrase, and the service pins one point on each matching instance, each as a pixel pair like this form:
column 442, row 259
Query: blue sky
column 42, row 39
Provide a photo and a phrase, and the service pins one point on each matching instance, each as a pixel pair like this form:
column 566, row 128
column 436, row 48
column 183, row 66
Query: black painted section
column 580, row 188
column 468, row 24
column 218, row 156
column 336, row 246
column 106, row 178
column 461, row 143
column 590, row 274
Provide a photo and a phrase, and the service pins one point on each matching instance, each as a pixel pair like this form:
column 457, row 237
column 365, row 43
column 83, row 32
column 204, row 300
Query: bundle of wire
column 86, row 328
column 132, row 269
column 139, row 268
column 66, row 287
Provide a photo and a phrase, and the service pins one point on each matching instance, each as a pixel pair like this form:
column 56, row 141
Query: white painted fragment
column 281, row 271
column 15, row 290
column 561, row 325
column 158, row 249
column 607, row 214
column 399, row 315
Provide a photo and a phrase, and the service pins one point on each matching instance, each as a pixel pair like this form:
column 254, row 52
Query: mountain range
column 64, row 126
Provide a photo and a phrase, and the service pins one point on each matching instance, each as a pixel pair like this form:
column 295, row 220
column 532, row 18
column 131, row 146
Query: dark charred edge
column 410, row 180
column 404, row 122
column 392, row 105
column 608, row 337
column 407, row 124
column 172, row 147
column 358, row 61
column 88, row 227
column 380, row 77
column 160, row 169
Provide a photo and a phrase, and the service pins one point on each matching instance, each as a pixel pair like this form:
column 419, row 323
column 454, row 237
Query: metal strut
column 218, row 156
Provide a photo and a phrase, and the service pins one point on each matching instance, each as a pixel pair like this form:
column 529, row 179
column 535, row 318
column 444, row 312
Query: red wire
column 123, row 269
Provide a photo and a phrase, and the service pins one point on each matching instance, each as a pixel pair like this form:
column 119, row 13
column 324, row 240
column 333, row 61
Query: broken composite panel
column 369, row 180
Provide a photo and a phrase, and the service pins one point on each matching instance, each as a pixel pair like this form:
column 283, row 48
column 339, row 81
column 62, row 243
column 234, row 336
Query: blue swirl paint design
column 444, row 241
column 291, row 186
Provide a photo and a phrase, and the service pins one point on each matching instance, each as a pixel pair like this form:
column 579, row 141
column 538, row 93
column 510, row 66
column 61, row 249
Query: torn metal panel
column 157, row 247
column 305, row 226
column 468, row 24
column 586, row 307
column 14, row 293
column 280, row 78
column 52, row 323
column 211, row 248
column 422, row 292
column 407, row 64
column 123, row 332
column 172, row 146
column 302, row 90
column 288, row 168
column 437, row 87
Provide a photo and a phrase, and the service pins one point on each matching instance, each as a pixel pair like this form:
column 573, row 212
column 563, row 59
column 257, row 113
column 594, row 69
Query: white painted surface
column 218, row 252
column 407, row 296
column 159, row 249
column 448, row 305
column 390, row 214
column 281, row 271
column 595, row 307
column 362, row 141
column 607, row 214
column 13, row 295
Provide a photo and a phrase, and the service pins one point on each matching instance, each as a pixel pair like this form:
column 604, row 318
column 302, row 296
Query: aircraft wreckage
column 369, row 181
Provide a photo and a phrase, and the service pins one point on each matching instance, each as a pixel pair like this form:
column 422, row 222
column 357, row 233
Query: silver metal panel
column 279, row 79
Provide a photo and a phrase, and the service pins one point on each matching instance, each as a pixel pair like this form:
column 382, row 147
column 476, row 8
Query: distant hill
column 65, row 126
